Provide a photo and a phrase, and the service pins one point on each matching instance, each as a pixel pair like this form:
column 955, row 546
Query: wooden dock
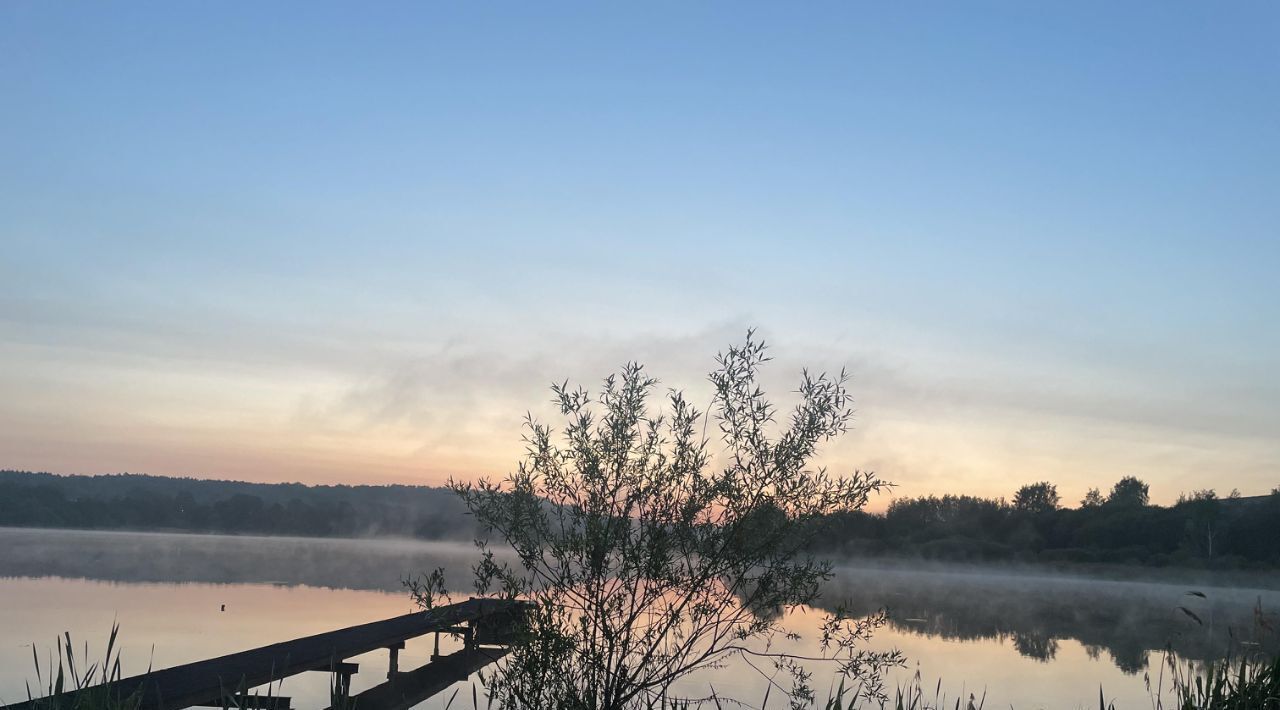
column 485, row 625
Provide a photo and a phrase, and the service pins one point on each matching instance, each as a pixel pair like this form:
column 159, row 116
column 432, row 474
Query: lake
column 1026, row 638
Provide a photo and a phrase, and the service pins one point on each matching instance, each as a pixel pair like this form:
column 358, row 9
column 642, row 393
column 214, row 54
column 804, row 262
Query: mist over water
column 337, row 563
column 1055, row 627
column 1120, row 619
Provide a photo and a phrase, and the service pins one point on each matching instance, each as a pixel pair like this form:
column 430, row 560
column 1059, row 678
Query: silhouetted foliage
column 1039, row 497
column 1092, row 499
column 1129, row 491
column 1200, row 530
column 140, row 502
column 651, row 551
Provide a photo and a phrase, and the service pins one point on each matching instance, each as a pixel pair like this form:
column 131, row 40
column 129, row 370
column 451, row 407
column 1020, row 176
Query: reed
column 68, row 682
column 912, row 695
column 72, row 685
column 65, row 682
column 1241, row 684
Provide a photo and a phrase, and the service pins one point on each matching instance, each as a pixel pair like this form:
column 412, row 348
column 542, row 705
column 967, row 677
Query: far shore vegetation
column 1112, row 526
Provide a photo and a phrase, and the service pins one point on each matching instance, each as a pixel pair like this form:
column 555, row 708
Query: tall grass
column 1243, row 684
column 912, row 695
column 72, row 685
column 65, row 682
column 1225, row 685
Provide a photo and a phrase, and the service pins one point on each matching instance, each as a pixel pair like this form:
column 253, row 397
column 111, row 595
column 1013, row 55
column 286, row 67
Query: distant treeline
column 129, row 501
column 1202, row 529
column 1121, row 527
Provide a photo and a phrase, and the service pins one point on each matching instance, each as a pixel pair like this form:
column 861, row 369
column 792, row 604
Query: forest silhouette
column 1121, row 527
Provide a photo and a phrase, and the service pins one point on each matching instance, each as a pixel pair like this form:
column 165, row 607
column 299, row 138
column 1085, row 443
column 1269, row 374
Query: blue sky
column 325, row 242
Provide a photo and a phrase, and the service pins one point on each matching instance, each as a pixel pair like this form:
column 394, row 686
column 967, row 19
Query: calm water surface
column 1027, row 639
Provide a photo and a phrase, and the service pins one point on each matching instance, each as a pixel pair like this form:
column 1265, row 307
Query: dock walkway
column 485, row 625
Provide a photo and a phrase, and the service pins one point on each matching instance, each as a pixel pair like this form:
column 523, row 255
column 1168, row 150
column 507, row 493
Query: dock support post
column 344, row 671
column 393, row 665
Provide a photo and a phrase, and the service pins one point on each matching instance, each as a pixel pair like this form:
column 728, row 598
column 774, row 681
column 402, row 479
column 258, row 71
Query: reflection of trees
column 1034, row 645
column 1122, row 620
column 1125, row 620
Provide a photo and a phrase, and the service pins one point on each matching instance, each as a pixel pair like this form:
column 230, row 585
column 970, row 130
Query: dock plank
column 211, row 680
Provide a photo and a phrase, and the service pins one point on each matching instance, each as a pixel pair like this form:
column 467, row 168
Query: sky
column 356, row 243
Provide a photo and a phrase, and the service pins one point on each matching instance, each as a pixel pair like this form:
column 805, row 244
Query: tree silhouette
column 1039, row 497
column 1092, row 499
column 650, row 554
column 1129, row 492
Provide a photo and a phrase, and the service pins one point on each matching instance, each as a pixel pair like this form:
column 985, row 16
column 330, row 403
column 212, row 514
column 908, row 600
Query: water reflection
column 1033, row 612
column 1122, row 620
